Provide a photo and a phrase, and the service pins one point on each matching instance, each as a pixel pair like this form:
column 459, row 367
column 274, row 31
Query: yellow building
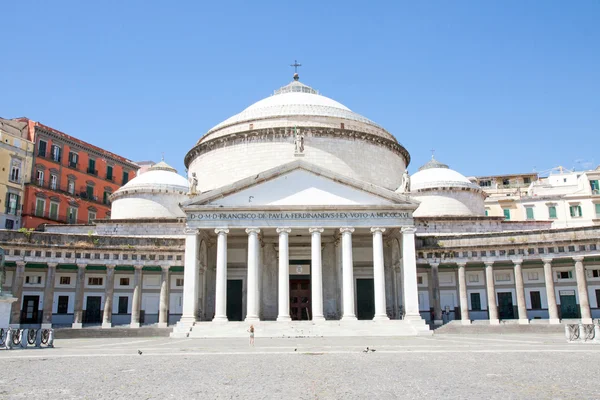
column 16, row 155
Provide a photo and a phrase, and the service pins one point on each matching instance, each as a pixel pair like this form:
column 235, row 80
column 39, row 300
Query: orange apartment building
column 71, row 180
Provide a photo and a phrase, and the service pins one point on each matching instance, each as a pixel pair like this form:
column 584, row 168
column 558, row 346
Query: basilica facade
column 299, row 216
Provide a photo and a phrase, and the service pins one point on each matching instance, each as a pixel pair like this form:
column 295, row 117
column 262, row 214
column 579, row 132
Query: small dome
column 160, row 175
column 434, row 174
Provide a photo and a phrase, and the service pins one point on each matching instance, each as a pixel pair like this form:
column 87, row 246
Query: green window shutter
column 507, row 214
column 572, row 211
column 597, row 210
column 529, row 211
column 109, row 172
column 125, row 177
column 90, row 192
column 579, row 212
column 486, row 213
column 53, row 211
column 39, row 208
column 594, row 184
column 552, row 212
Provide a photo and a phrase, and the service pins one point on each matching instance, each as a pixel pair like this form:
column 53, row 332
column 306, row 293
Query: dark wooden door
column 92, row 310
column 568, row 305
column 234, row 300
column 29, row 312
column 300, row 299
column 505, row 306
column 365, row 299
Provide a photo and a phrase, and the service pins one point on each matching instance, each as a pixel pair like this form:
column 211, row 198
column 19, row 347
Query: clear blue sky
column 493, row 87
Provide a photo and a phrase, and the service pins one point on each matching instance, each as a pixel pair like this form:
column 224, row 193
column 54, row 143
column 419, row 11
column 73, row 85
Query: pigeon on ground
column 140, row 352
column 372, row 350
column 295, row 349
column 366, row 350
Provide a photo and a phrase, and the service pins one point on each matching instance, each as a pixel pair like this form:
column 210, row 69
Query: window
column 9, row 224
column 89, row 191
column 595, row 273
column 124, row 282
column 595, row 187
column 71, row 215
column 597, row 210
column 529, row 212
column 40, row 178
column 63, row 304
column 53, row 211
column 95, row 281
column 92, row 167
column 533, row 276
column 106, row 198
column 40, row 205
column 179, row 281
column 15, row 171
column 487, row 212
column 486, row 183
column 42, row 148
column 55, row 153
column 123, row 300
column 73, row 158
column 91, row 216
column 109, row 172
column 12, row 203
column 506, row 182
column 564, row 274
column 125, row 177
column 71, row 187
column 506, row 214
column 475, row 302
column 575, row 211
column 536, row 300
column 473, row 278
column 65, row 280
column 552, row 212
column 527, row 180
column 53, row 182
column 33, row 279
column 419, row 280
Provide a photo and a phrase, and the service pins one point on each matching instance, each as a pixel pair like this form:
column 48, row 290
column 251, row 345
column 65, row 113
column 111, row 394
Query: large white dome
column 261, row 137
column 156, row 193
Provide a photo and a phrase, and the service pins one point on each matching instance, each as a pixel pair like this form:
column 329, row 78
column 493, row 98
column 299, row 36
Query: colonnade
column 409, row 281
column 584, row 304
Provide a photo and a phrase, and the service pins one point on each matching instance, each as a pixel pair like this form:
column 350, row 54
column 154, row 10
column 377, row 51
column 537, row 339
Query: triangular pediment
column 299, row 184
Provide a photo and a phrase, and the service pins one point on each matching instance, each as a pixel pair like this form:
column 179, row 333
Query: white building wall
column 148, row 205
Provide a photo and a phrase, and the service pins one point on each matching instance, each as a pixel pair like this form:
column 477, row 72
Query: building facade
column 298, row 216
column 71, row 180
column 16, row 156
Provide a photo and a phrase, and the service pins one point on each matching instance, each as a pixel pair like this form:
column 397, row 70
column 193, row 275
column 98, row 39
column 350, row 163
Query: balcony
column 81, row 193
column 62, row 218
column 73, row 165
column 18, row 180
column 92, row 171
column 50, row 156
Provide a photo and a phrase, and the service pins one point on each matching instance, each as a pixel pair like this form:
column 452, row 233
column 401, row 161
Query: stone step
column 505, row 327
column 115, row 332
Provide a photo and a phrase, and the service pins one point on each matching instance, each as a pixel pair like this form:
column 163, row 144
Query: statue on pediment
column 193, row 184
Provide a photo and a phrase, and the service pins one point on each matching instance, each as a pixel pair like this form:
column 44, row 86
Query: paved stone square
column 519, row 366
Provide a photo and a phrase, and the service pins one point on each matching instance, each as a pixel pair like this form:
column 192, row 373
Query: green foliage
column 26, row 232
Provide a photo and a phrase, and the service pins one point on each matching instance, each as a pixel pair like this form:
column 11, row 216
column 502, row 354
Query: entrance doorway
column 568, row 304
column 300, row 299
column 365, row 299
column 505, row 306
column 29, row 313
column 92, row 310
column 234, row 299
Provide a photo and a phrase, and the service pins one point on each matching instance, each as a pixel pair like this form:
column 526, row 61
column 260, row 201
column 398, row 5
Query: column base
column 413, row 317
column 106, row 325
column 381, row 318
column 162, row 325
column 317, row 318
column 284, row 318
column 587, row 321
column 76, row 325
column 134, row 325
column 465, row 321
column 554, row 321
column 523, row 322
column 47, row 326
column 188, row 320
column 220, row 318
column 494, row 322
column 438, row 322
column 252, row 319
column 349, row 318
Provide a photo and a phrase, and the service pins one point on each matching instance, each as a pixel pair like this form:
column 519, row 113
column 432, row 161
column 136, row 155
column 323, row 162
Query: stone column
column 550, row 293
column 163, row 306
column 520, row 289
column 584, row 301
column 462, row 289
column 79, row 288
column 49, row 296
column 409, row 274
column 316, row 280
column 190, row 277
column 435, row 283
column 108, row 296
column 252, row 294
column 17, row 291
column 284, row 275
column 137, row 297
column 221, row 276
column 491, row 293
column 347, row 275
column 379, row 275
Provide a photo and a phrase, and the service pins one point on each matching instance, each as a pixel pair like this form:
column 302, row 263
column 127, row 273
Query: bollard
column 38, row 338
column 24, row 334
column 8, row 343
column 51, row 338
